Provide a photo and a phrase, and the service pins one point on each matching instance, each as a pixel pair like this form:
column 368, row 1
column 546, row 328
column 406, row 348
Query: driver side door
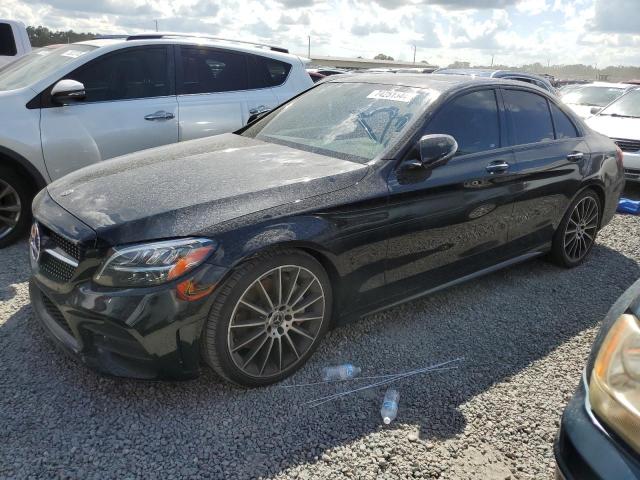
column 452, row 220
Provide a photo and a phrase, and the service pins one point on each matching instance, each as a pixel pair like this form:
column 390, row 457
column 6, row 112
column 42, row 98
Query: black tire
column 564, row 250
column 19, row 187
column 217, row 335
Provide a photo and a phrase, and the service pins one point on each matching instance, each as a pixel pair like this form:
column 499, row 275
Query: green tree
column 382, row 56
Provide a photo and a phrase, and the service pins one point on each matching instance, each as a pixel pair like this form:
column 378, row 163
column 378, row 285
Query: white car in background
column 586, row 100
column 14, row 41
column 69, row 106
column 621, row 121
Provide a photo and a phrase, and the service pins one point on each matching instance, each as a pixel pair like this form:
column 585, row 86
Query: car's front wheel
column 267, row 318
column 15, row 206
column 577, row 232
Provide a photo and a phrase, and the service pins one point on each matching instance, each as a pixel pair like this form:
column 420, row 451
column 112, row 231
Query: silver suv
column 73, row 105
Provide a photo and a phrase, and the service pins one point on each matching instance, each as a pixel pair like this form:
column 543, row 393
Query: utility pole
column 309, row 47
column 414, row 54
column 492, row 60
column 156, row 25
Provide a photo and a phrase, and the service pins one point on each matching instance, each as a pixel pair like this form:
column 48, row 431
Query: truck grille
column 628, row 145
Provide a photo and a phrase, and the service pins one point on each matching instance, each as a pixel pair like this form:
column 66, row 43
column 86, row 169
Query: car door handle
column 498, row 166
column 259, row 109
column 159, row 115
column 575, row 156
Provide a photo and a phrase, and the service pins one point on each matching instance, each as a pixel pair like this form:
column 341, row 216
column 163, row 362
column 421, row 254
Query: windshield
column 593, row 96
column 37, row 65
column 626, row 106
column 354, row 121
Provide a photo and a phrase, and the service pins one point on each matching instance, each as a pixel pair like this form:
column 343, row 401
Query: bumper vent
column 56, row 269
column 74, row 250
column 56, row 314
column 628, row 145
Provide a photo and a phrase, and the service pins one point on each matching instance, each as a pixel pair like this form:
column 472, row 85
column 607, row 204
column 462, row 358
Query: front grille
column 632, row 174
column 56, row 269
column 628, row 145
column 56, row 314
column 74, row 250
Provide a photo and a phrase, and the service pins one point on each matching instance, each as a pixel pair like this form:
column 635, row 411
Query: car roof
column 438, row 82
column 483, row 72
column 181, row 39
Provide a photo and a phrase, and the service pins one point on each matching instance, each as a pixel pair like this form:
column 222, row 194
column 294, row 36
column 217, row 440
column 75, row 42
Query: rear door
column 453, row 220
column 550, row 154
column 216, row 91
column 130, row 105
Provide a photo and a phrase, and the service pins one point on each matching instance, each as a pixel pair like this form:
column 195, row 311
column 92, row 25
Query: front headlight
column 154, row 263
column 614, row 389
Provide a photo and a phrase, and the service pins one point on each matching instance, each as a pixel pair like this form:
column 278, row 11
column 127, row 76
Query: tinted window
column 205, row 70
column 472, row 120
column 267, row 72
column 530, row 116
column 7, row 42
column 126, row 74
column 564, row 126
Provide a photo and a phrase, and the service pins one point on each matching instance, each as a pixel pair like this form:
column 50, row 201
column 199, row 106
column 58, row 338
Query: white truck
column 14, row 41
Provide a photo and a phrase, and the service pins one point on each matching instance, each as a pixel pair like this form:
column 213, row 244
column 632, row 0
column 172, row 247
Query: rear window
column 267, row 72
column 7, row 42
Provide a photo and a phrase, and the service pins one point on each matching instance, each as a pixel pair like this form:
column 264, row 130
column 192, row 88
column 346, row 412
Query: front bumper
column 631, row 164
column 584, row 450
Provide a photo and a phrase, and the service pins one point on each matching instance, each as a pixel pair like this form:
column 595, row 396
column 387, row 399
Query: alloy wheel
column 580, row 233
column 276, row 321
column 10, row 208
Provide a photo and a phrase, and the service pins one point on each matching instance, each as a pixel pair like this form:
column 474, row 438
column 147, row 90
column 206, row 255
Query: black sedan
column 599, row 437
column 242, row 249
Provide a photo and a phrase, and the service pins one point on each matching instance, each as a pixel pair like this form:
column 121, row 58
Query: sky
column 514, row 32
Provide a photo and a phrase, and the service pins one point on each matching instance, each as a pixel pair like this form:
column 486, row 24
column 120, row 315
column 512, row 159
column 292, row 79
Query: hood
column 583, row 111
column 187, row 188
column 616, row 127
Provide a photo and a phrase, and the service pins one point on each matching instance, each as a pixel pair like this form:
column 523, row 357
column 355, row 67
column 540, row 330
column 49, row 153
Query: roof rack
column 155, row 35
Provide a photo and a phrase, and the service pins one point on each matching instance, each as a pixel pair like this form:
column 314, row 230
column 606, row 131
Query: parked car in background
column 595, row 95
column 599, row 435
column 14, row 41
column 363, row 192
column 78, row 104
column 620, row 120
column 531, row 78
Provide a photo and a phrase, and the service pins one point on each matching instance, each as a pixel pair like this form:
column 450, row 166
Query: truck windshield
column 37, row 65
column 352, row 121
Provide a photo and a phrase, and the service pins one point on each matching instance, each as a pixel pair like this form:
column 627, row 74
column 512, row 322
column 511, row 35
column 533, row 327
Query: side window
column 206, row 70
column 125, row 75
column 564, row 126
column 472, row 120
column 530, row 116
column 267, row 72
column 7, row 42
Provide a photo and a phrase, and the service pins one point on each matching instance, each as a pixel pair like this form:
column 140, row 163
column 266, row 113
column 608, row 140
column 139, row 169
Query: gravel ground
column 525, row 333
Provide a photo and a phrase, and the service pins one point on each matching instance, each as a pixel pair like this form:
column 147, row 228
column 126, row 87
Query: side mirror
column 436, row 149
column 595, row 110
column 68, row 91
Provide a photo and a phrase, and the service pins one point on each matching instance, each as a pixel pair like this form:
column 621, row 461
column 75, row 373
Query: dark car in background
column 599, row 436
column 364, row 192
column 537, row 80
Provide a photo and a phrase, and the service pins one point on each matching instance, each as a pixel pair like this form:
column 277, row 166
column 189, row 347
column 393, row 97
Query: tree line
column 41, row 36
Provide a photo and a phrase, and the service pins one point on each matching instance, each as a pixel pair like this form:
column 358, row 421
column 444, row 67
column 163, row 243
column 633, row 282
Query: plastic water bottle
column 389, row 409
column 340, row 372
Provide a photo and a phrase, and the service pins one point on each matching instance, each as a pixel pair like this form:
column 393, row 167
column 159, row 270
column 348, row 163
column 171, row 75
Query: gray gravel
column 525, row 333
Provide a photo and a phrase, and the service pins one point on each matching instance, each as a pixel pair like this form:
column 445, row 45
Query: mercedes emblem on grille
column 34, row 243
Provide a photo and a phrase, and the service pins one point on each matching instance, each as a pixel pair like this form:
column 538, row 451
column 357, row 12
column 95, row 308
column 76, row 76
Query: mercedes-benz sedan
column 241, row 250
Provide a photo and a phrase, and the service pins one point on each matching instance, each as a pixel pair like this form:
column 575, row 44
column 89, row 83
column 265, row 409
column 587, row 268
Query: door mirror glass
column 436, row 149
column 595, row 110
column 68, row 91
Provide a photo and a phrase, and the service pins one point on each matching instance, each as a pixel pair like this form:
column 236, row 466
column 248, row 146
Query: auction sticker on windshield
column 395, row 95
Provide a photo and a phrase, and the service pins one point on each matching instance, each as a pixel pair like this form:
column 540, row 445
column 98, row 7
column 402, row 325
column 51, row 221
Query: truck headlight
column 149, row 264
column 614, row 389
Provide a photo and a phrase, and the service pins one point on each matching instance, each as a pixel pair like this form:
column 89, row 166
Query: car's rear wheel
column 268, row 318
column 15, row 207
column 577, row 232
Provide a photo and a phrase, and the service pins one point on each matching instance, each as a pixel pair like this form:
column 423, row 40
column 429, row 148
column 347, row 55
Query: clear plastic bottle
column 340, row 372
column 389, row 409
